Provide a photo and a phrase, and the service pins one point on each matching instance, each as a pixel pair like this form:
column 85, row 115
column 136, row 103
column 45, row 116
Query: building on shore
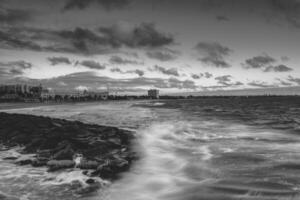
column 20, row 92
column 97, row 95
column 153, row 94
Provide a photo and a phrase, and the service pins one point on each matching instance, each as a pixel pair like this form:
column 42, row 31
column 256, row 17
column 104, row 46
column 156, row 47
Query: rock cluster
column 58, row 144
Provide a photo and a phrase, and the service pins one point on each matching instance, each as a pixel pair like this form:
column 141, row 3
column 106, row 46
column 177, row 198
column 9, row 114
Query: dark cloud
column 224, row 80
column 258, row 62
column 20, row 64
column 8, row 40
column 163, row 54
column 175, row 83
column 136, row 71
column 83, row 40
column 284, row 58
column 170, row 71
column 207, row 75
column 278, row 68
column 261, row 84
column 92, row 64
column 143, row 35
column 59, row 60
column 13, row 68
column 11, row 16
column 222, row 18
column 289, row 9
column 213, row 54
column 284, row 83
column 122, row 61
column 294, row 80
column 227, row 82
column 198, row 76
column 116, row 70
column 106, row 4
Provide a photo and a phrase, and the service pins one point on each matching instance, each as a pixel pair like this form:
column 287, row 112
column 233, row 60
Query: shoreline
column 58, row 144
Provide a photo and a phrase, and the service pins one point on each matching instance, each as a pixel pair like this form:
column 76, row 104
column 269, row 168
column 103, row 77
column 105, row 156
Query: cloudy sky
column 133, row 45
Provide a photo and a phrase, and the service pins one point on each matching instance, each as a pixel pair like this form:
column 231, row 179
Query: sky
column 130, row 46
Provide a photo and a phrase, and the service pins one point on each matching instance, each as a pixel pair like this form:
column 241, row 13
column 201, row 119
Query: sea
column 211, row 148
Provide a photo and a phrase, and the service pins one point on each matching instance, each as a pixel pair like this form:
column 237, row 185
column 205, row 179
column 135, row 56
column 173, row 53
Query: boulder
column 24, row 161
column 55, row 165
column 88, row 164
column 90, row 181
column 64, row 154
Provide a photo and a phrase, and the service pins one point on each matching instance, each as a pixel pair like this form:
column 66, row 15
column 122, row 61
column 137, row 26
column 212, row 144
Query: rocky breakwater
column 100, row 151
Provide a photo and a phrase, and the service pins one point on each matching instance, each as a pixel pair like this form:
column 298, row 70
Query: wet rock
column 90, row 181
column 56, row 142
column 10, row 158
column 39, row 162
column 64, row 154
column 87, row 164
column 24, row 162
column 55, row 165
column 89, row 189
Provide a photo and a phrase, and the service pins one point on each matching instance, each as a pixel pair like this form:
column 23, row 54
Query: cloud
column 198, row 76
column 207, row 75
column 222, row 18
column 226, row 81
column 11, row 16
column 136, row 71
column 294, row 80
column 284, row 58
column 20, row 64
column 289, row 9
column 163, row 54
column 143, row 35
column 284, row 83
column 213, row 54
column 59, row 60
column 9, row 40
column 106, row 4
column 258, row 62
column 13, row 68
column 91, row 81
column 122, row 61
column 278, row 68
column 84, row 40
column 261, row 84
column 92, row 64
column 170, row 71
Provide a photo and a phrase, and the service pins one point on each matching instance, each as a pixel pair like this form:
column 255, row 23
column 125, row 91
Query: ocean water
column 210, row 149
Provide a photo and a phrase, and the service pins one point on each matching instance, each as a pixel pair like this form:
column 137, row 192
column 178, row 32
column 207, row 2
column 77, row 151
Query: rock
column 90, row 181
column 39, row 162
column 88, row 164
column 54, row 142
column 89, row 189
column 60, row 164
column 10, row 158
column 24, row 162
column 85, row 172
column 64, row 154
